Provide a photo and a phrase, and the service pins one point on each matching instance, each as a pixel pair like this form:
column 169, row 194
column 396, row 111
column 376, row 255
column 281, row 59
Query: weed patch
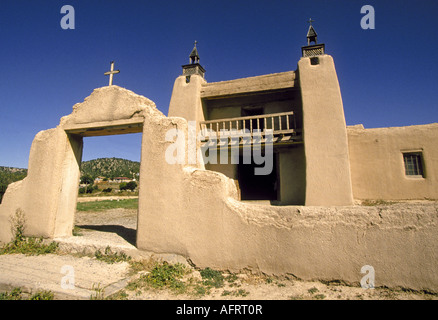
column 29, row 246
column 378, row 202
column 111, row 257
column 313, row 290
column 235, row 293
column 212, row 278
column 25, row 245
column 17, row 294
column 98, row 294
column 167, row 276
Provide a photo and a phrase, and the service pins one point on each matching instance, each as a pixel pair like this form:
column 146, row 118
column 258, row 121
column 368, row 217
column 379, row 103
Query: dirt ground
column 117, row 227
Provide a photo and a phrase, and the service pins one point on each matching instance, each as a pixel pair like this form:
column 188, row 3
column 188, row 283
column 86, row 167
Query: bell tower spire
column 193, row 68
column 311, row 34
column 194, row 56
column 315, row 49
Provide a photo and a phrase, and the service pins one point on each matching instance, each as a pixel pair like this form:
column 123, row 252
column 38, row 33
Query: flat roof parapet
column 269, row 82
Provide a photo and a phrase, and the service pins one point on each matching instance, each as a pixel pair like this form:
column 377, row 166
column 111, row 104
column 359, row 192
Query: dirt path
column 52, row 271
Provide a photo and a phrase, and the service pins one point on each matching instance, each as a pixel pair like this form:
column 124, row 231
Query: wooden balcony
column 280, row 126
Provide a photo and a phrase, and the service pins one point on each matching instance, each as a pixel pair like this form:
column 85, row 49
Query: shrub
column 166, row 275
column 128, row 185
column 22, row 244
column 131, row 185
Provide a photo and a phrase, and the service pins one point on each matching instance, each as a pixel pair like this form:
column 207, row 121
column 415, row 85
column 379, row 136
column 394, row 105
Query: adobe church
column 318, row 160
column 300, row 218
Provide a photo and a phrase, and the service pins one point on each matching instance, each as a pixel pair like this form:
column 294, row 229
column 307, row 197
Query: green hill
column 9, row 175
column 110, row 168
column 103, row 167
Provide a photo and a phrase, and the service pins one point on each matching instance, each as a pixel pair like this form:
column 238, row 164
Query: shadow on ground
column 129, row 234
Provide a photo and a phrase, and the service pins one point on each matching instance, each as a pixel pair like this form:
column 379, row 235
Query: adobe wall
column 53, row 163
column 377, row 167
column 48, row 195
column 195, row 213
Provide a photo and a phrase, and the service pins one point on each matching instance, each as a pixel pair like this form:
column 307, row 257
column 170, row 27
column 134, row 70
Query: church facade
column 316, row 158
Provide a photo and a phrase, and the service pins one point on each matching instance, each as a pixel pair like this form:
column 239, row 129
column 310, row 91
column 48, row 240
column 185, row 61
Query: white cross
column 111, row 73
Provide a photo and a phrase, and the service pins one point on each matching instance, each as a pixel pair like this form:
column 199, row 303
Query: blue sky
column 388, row 76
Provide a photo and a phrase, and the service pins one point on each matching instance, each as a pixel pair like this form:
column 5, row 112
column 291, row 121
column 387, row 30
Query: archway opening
column 107, row 206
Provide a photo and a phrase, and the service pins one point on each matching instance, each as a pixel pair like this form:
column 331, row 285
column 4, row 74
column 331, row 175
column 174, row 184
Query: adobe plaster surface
column 377, row 167
column 328, row 181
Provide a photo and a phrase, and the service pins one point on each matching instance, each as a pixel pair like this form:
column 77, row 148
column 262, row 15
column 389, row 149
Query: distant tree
column 123, row 186
column 131, row 185
column 86, row 179
column 9, row 175
column 3, row 188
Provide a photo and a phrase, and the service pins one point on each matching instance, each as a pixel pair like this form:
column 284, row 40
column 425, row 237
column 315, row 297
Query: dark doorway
column 253, row 123
column 257, row 187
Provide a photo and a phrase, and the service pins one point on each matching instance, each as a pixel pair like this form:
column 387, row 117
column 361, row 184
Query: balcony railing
column 281, row 125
